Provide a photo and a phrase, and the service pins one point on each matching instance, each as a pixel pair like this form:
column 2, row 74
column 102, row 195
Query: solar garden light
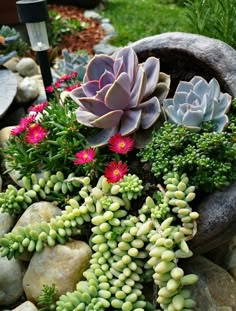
column 34, row 14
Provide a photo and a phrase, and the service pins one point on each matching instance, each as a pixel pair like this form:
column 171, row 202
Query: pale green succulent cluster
column 51, row 186
column 198, row 101
column 167, row 243
column 126, row 248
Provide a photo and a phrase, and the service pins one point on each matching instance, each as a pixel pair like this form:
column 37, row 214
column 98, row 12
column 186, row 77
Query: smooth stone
column 8, row 90
column 61, row 265
column 217, row 221
column 38, row 212
column 103, row 48
column 11, row 64
column 184, row 55
column 15, row 176
column 11, row 276
column 5, row 135
column 27, row 90
column 230, row 257
column 93, row 15
column 108, row 28
column 26, row 306
column 0, row 183
column 6, row 223
column 27, row 67
column 215, row 289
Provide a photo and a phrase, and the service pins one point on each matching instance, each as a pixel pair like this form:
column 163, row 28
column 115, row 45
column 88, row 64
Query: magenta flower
column 38, row 107
column 121, row 145
column 35, row 134
column 70, row 88
column 85, row 156
column 17, row 130
column 65, row 77
column 115, row 171
column 50, row 89
column 57, row 84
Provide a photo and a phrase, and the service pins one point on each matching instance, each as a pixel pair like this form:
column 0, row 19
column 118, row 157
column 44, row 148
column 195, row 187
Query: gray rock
column 108, row 28
column 8, row 89
column 230, row 257
column 27, row 90
column 6, row 223
column 215, row 289
column 61, row 265
column 26, row 306
column 4, row 135
column 0, row 183
column 38, row 212
column 92, row 14
column 102, row 48
column 11, row 275
column 27, row 67
column 11, row 64
column 217, row 222
column 183, row 55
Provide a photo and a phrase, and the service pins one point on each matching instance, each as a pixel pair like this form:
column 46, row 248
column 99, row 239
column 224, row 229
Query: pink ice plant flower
column 23, row 124
column 38, row 107
column 119, row 144
column 85, row 156
column 115, row 171
column 35, row 133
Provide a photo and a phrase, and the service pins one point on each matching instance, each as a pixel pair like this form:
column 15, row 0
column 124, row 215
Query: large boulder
column 184, row 55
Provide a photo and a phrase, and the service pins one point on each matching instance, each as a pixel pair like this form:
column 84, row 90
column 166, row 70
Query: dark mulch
column 84, row 39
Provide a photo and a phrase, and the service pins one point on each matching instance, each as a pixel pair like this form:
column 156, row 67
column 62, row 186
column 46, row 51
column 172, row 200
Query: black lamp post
column 34, row 13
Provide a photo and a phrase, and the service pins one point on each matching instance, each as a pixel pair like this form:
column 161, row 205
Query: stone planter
column 182, row 56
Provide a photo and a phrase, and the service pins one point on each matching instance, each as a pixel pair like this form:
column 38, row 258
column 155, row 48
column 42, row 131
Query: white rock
column 26, row 306
column 27, row 90
column 27, row 67
column 11, row 275
column 6, row 223
column 5, row 134
column 61, row 265
column 11, row 64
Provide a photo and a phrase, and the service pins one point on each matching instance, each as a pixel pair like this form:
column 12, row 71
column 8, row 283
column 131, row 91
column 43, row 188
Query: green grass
column 136, row 19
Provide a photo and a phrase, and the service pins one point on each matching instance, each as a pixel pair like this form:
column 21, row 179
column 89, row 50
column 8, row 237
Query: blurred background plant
column 59, row 26
column 18, row 45
column 72, row 62
column 213, row 18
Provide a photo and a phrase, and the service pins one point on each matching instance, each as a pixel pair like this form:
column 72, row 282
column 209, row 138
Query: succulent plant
column 120, row 95
column 72, row 62
column 196, row 102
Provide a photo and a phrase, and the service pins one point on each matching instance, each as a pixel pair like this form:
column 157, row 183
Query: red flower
column 65, row 77
column 49, row 89
column 24, row 122
column 35, row 134
column 85, row 156
column 57, row 84
column 119, row 144
column 17, row 130
column 38, row 107
column 74, row 74
column 115, row 171
column 70, row 88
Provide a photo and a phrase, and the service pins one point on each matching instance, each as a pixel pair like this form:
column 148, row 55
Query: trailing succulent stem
column 129, row 248
column 50, row 186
